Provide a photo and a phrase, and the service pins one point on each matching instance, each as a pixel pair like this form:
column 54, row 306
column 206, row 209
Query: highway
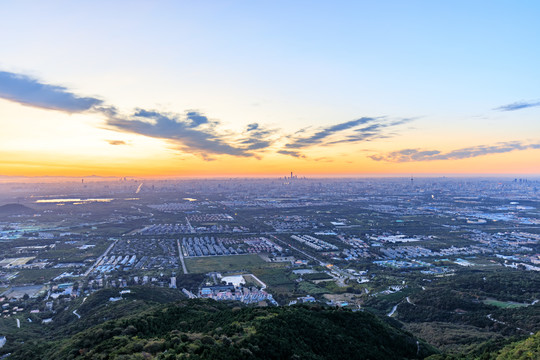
column 300, row 251
column 181, row 256
column 100, row 258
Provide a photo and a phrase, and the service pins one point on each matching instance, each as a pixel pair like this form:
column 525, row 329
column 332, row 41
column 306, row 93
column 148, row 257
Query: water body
column 81, row 201
column 77, row 201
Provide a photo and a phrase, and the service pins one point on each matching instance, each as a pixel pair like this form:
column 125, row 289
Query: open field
column 275, row 278
column 27, row 276
column 504, row 304
column 223, row 263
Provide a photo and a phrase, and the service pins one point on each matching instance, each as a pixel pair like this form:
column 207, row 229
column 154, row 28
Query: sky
column 262, row 88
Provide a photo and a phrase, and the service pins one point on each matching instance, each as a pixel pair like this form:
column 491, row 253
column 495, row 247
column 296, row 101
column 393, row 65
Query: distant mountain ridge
column 16, row 209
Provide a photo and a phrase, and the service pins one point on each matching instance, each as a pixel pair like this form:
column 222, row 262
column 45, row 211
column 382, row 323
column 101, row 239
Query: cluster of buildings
column 314, row 243
column 358, row 248
column 166, row 229
column 209, row 217
column 210, row 246
column 283, row 223
column 401, row 264
column 237, row 293
column 174, row 207
column 137, row 254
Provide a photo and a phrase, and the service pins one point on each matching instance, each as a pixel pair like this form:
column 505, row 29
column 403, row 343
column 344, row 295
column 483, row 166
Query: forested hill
column 198, row 329
column 16, row 209
column 527, row 349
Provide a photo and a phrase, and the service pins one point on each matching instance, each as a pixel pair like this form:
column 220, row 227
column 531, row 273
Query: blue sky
column 451, row 68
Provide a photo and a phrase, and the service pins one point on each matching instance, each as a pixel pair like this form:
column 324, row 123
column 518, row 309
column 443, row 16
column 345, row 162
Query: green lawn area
column 311, row 289
column 276, row 278
column 272, row 276
column 223, row 263
column 317, row 276
column 27, row 276
column 504, row 304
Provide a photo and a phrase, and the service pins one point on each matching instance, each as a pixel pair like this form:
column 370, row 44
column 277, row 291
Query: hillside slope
column 198, row 329
column 16, row 209
column 528, row 349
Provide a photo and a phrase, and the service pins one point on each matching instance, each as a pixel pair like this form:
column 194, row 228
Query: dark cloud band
column 192, row 131
column 27, row 91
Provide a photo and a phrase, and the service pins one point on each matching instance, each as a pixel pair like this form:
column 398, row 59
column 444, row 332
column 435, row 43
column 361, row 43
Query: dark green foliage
column 528, row 349
column 210, row 330
column 316, row 276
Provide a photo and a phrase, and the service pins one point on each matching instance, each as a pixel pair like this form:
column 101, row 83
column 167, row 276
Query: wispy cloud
column 296, row 154
column 116, row 142
column 191, row 132
column 518, row 105
column 252, row 127
column 353, row 131
column 257, row 137
column 349, row 132
column 29, row 91
column 321, row 135
column 409, row 155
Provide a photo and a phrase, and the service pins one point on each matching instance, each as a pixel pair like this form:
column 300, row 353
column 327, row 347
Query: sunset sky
column 256, row 88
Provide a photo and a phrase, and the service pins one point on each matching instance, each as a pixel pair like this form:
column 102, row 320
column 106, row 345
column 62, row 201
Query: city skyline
column 234, row 88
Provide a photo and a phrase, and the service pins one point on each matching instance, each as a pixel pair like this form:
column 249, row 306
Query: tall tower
column 291, row 175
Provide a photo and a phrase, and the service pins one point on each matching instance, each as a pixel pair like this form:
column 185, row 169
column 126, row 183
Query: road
column 503, row 323
column 393, row 310
column 181, row 256
column 76, row 314
column 191, row 229
column 409, row 301
column 100, row 258
column 263, row 285
column 300, row 251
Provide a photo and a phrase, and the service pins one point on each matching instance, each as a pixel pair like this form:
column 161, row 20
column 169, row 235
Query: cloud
column 319, row 136
column 192, row 132
column 196, row 118
column 518, row 105
column 252, row 127
column 292, row 153
column 409, row 155
column 362, row 129
column 324, row 159
column 116, row 142
column 258, row 138
column 28, row 91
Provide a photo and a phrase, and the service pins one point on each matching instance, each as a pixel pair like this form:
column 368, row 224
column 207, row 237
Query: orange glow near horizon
column 52, row 143
column 277, row 165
